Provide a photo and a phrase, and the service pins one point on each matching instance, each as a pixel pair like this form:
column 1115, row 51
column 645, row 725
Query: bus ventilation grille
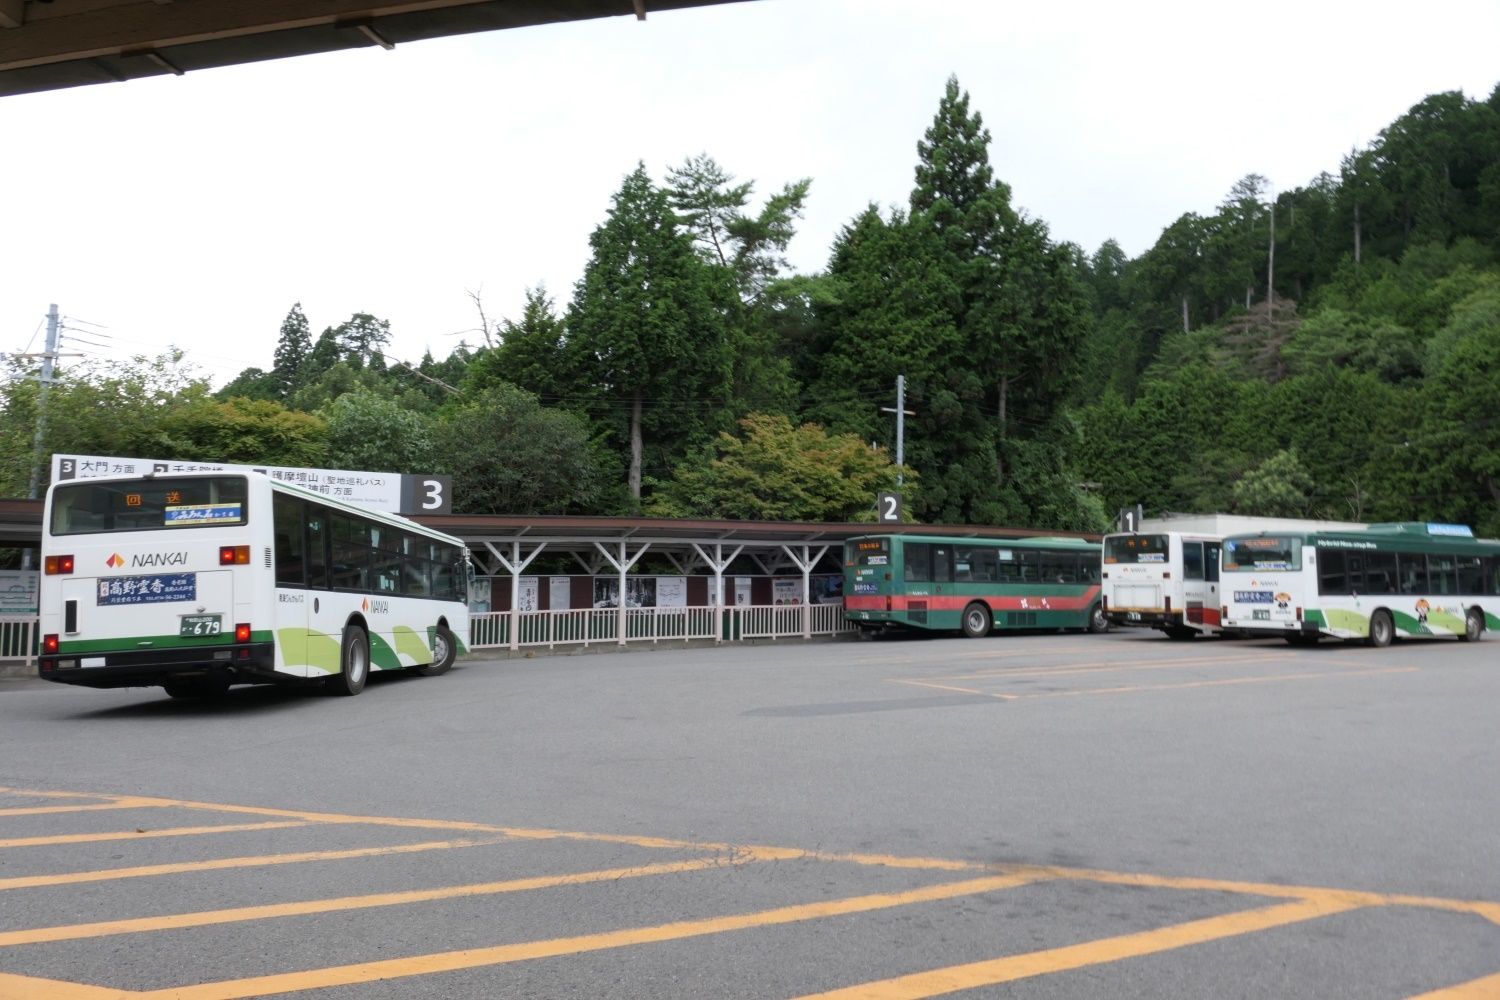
column 1021, row 619
column 917, row 611
column 268, row 557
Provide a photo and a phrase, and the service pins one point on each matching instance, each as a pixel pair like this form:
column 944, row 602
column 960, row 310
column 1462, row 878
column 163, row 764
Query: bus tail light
column 1299, row 614
column 1169, row 605
column 888, row 602
column 242, row 632
column 49, row 643
column 58, row 565
column 234, row 555
column 1223, row 612
column 1166, row 574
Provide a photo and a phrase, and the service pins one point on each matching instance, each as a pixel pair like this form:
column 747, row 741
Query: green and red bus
column 971, row 585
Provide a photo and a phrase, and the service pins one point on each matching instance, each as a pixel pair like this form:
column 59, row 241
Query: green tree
column 247, row 431
column 369, row 431
column 508, row 454
column 776, row 471
column 1278, row 487
column 292, row 349
column 648, row 328
column 361, row 339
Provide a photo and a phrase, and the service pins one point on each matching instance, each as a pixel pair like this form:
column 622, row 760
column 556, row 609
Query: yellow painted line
column 206, row 918
column 29, row 793
column 122, row 803
column 181, row 831
column 13, row 987
column 1228, row 680
column 1040, row 963
column 472, row 958
column 1487, row 988
column 1114, row 666
column 219, row 864
column 950, row 687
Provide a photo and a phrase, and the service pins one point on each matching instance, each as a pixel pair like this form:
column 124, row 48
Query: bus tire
column 976, row 620
column 354, row 663
column 444, row 652
column 1382, row 629
column 1097, row 621
column 1473, row 626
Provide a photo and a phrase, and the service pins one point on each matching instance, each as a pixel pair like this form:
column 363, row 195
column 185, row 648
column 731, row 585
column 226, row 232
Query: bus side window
column 1442, row 575
column 1331, row 576
column 1211, row 562
column 942, row 564
column 1412, row 573
column 1380, row 573
column 287, row 513
column 916, row 562
column 317, row 549
column 1192, row 560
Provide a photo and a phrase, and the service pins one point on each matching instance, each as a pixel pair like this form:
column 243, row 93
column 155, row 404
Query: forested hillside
column 1331, row 350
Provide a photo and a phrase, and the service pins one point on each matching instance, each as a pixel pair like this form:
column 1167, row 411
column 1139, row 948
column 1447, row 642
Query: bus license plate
column 201, row 625
column 1261, row 615
column 1134, row 616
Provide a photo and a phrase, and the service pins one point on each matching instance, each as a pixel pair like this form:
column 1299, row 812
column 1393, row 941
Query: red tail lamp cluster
column 58, row 565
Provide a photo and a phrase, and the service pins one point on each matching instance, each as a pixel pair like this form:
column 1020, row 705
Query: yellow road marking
column 1038, row 963
column 28, row 793
column 253, row 861
column 181, row 831
column 950, row 687
column 121, row 803
column 1229, row 680
column 205, row 918
column 1487, row 988
column 418, row 965
column 13, row 987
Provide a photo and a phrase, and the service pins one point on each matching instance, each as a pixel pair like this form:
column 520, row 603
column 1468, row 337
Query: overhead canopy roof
column 50, row 44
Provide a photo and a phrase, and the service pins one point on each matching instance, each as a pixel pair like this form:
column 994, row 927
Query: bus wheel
column 444, row 652
column 354, row 663
column 1382, row 631
column 1097, row 621
column 1473, row 625
column 976, row 621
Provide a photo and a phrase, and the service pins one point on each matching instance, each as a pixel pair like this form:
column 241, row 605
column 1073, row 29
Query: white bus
column 1166, row 580
column 197, row 581
column 1386, row 582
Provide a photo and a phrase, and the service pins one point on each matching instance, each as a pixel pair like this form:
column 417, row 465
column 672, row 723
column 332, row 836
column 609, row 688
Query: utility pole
column 901, row 413
column 48, row 359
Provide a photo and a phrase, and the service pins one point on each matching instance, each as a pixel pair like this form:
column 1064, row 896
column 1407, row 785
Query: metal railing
column 18, row 640
column 19, row 636
column 593, row 626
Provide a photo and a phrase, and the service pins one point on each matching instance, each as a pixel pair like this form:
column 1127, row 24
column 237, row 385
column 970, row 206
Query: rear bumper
column 249, row 663
column 1144, row 619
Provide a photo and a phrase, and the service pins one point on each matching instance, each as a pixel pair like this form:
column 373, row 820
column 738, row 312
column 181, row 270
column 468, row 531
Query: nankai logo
column 115, row 561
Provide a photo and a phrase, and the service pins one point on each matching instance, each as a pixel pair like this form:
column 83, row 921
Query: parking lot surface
column 1033, row 815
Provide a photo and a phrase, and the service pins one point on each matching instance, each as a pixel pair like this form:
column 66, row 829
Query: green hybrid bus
column 196, row 581
column 971, row 585
column 1385, row 582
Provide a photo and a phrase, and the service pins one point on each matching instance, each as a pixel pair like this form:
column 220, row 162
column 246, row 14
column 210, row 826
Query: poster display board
column 786, row 590
column 671, row 592
column 527, row 593
column 18, row 592
column 559, row 593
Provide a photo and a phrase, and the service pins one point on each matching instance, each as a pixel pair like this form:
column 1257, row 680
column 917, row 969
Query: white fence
column 18, row 640
column 596, row 626
column 585, row 627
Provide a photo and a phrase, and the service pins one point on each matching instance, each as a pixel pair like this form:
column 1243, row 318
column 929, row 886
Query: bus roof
column 1044, row 542
column 1411, row 536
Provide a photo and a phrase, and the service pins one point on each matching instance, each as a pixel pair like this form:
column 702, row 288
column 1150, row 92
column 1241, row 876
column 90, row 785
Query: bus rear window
column 164, row 504
column 1251, row 555
column 1136, row 549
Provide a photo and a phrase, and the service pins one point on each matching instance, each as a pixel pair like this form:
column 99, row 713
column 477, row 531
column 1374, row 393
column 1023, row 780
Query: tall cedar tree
column 648, row 330
column 292, row 350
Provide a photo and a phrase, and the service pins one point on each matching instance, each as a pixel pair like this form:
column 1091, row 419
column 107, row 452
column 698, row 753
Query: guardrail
column 18, row 640
column 592, row 626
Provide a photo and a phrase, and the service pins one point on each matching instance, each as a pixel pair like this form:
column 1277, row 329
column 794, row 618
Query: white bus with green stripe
column 1384, row 582
column 196, row 581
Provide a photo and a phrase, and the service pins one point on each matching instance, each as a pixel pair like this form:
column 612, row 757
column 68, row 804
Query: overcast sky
column 194, row 211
